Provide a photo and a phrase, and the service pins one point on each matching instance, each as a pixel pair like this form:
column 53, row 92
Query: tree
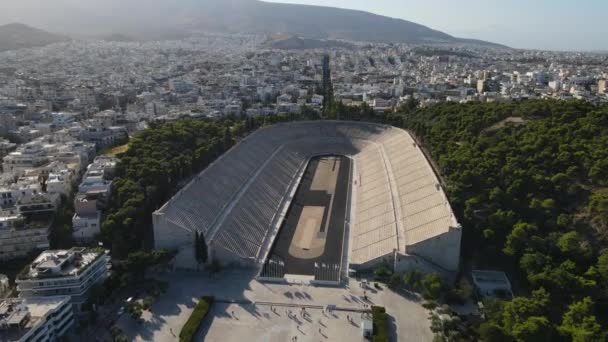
column 534, row 329
column 491, row 332
column 203, row 249
column 410, row 105
column 138, row 262
column 227, row 138
column 197, row 249
column 327, row 88
column 572, row 245
column 517, row 311
column 200, row 248
column 580, row 325
column 519, row 237
column 381, row 273
column 602, row 268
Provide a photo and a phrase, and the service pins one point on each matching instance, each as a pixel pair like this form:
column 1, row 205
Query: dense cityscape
column 70, row 111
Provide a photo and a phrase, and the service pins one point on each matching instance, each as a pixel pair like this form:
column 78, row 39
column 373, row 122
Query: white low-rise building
column 38, row 203
column 29, row 156
column 69, row 272
column 4, row 284
column 60, row 182
column 63, row 119
column 86, row 226
column 35, row 319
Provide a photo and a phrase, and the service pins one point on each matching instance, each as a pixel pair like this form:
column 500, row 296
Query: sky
column 531, row 24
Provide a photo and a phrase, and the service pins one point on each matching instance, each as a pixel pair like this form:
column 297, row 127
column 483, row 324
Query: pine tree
column 327, row 86
column 227, row 138
column 203, row 249
column 197, row 249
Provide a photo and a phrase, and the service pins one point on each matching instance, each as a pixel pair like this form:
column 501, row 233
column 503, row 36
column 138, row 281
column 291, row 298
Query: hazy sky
column 541, row 24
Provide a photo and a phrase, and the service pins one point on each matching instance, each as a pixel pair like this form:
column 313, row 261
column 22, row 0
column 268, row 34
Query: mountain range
column 161, row 19
column 19, row 36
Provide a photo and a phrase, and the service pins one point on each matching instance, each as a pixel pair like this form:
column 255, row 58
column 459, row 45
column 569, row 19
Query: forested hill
column 529, row 183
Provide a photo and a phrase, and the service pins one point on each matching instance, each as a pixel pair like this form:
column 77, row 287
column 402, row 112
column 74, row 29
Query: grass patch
column 196, row 318
column 380, row 319
column 114, row 151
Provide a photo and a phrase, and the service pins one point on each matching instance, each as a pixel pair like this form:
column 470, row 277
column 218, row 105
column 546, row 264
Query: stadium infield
column 313, row 229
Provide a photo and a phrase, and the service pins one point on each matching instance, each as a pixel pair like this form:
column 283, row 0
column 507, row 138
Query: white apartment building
column 105, row 164
column 35, row 319
column 104, row 137
column 93, row 193
column 64, row 273
column 317, row 99
column 38, row 203
column 86, row 226
column 17, row 239
column 28, row 156
column 87, row 218
column 6, row 147
column 60, row 182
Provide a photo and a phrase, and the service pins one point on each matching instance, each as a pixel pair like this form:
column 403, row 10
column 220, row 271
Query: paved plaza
column 232, row 322
column 253, row 319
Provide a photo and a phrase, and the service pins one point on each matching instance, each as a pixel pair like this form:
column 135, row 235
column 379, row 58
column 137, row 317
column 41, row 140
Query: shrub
column 380, row 320
column 196, row 318
column 456, row 296
column 413, row 280
column 381, row 273
column 395, row 281
column 163, row 286
column 215, row 266
column 429, row 305
column 147, row 302
column 135, row 309
column 433, row 286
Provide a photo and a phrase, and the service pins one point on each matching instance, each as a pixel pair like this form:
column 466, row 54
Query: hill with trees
column 533, row 200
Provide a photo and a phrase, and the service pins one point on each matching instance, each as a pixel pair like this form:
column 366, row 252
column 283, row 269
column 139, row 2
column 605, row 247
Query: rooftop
column 61, row 263
column 490, row 277
column 20, row 315
column 492, row 283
